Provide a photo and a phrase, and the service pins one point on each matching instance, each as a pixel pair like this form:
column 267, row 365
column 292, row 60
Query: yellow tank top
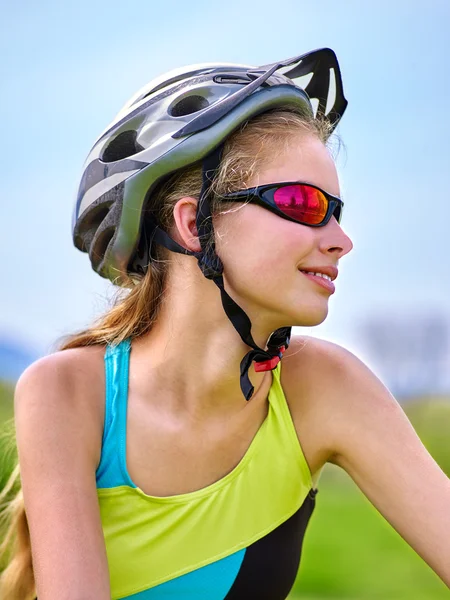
column 239, row 537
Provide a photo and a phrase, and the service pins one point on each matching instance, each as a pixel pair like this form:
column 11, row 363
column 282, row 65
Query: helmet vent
column 122, row 146
column 100, row 244
column 96, row 215
column 188, row 105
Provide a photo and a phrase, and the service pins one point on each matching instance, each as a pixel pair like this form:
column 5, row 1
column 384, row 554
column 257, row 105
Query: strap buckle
column 269, row 365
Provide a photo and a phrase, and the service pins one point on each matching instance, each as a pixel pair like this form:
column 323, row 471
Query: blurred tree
column 411, row 352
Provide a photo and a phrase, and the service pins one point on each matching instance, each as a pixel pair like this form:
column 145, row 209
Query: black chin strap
column 212, row 268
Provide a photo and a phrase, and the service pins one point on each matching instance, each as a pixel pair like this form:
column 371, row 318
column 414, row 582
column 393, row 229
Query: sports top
column 238, row 538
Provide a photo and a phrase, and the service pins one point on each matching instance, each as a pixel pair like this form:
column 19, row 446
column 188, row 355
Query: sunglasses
column 302, row 203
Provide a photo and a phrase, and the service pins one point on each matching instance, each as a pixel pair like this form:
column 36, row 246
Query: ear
column 185, row 229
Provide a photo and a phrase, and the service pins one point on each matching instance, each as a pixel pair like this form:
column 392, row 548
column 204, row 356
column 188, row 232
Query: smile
column 321, row 279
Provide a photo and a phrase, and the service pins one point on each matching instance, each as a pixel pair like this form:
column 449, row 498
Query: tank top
column 238, row 538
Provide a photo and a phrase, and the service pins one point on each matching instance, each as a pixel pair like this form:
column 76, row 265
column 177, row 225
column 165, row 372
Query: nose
column 334, row 240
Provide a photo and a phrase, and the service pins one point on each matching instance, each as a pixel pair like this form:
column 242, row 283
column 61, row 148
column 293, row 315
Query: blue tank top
column 238, row 538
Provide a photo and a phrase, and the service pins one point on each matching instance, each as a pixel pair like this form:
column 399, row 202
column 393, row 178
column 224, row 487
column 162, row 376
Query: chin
column 310, row 318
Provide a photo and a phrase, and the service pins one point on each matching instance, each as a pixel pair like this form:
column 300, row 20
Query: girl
column 168, row 451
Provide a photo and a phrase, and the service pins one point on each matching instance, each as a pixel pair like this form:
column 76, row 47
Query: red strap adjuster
column 268, row 365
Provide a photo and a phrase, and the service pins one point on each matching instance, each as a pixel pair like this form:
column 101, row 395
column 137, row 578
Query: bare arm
column 374, row 441
column 57, row 453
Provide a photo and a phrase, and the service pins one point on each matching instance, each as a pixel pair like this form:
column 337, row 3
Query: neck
column 191, row 357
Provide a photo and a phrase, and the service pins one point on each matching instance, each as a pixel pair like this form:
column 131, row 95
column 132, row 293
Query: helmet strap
column 212, row 268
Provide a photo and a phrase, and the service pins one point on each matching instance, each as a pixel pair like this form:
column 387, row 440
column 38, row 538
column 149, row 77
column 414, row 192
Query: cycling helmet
column 176, row 120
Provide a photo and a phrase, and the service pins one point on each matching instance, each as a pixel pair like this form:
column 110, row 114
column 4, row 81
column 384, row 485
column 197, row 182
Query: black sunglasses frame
column 263, row 195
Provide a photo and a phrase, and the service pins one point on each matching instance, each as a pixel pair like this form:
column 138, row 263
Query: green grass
column 7, row 453
column 6, row 401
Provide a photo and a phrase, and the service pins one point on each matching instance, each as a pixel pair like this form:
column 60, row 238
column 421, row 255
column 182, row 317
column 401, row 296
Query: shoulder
column 311, row 368
column 65, row 385
column 325, row 368
column 75, row 370
column 330, row 392
column 312, row 351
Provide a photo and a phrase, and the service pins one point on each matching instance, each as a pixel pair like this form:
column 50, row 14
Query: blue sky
column 66, row 70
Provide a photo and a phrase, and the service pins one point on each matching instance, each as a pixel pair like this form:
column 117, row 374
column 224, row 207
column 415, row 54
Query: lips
column 329, row 270
column 325, row 283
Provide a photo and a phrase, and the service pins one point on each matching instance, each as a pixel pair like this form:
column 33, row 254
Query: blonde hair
column 136, row 307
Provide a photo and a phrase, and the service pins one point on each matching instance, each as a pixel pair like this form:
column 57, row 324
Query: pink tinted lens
column 303, row 203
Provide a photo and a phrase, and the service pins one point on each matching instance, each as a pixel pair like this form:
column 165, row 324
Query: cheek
column 259, row 246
